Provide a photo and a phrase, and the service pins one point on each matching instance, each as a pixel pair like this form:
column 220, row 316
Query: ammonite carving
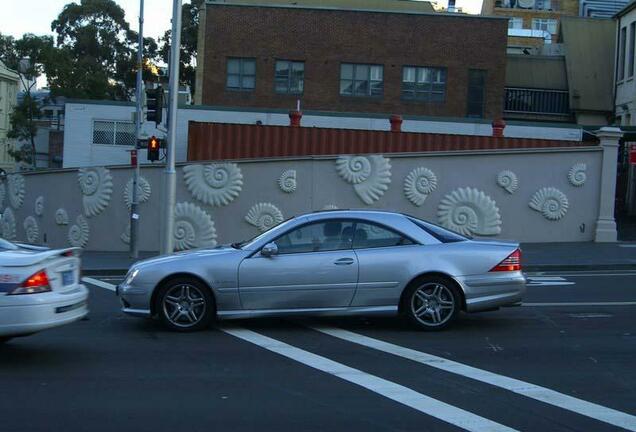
column 96, row 184
column 215, row 184
column 418, row 184
column 469, row 211
column 264, row 216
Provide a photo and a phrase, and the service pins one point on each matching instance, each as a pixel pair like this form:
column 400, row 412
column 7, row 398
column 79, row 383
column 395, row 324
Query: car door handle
column 344, row 261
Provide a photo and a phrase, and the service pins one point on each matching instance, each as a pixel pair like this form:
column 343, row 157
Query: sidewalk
column 536, row 257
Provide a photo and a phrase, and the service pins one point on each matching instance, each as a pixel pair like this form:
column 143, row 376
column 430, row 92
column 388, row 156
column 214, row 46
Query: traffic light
column 154, row 105
column 153, row 148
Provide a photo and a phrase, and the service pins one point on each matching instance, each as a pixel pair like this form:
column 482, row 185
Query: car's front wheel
column 432, row 303
column 184, row 305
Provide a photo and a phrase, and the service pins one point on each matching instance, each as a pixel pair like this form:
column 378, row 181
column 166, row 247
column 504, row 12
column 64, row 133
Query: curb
column 105, row 272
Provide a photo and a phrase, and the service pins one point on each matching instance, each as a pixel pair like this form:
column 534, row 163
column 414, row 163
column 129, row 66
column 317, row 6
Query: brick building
column 390, row 57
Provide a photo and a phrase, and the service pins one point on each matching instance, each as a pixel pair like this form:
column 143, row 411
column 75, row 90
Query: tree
column 96, row 56
column 189, row 38
column 26, row 56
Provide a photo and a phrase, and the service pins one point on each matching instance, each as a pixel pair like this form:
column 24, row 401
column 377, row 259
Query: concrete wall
column 78, row 135
column 318, row 184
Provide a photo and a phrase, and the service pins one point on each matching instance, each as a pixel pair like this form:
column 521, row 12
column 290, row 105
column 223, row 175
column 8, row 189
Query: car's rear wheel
column 185, row 305
column 432, row 303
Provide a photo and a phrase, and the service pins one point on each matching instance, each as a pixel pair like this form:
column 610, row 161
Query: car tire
column 185, row 305
column 432, row 303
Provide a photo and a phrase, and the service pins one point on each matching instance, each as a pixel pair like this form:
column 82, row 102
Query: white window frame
column 115, row 123
column 546, row 24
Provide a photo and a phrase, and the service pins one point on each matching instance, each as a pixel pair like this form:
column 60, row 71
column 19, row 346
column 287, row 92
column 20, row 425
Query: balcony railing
column 533, row 101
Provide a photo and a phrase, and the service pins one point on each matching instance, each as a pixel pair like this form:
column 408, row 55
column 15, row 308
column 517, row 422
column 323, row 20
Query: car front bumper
column 31, row 313
column 134, row 300
column 490, row 291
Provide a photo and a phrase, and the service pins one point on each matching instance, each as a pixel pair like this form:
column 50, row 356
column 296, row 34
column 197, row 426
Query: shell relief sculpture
column 143, row 191
column 16, row 189
column 287, row 181
column 61, row 217
column 419, row 184
column 577, row 174
column 3, row 193
column 369, row 175
column 78, row 232
column 264, row 216
column 8, row 224
column 39, row 206
column 550, row 202
column 508, row 181
column 215, row 184
column 96, row 184
column 193, row 227
column 469, row 211
column 31, row 229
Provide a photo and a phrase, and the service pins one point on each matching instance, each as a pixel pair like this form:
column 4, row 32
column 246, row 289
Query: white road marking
column 551, row 397
column 548, row 281
column 623, row 303
column 404, row 395
column 99, row 283
column 582, row 274
column 627, row 245
column 590, row 315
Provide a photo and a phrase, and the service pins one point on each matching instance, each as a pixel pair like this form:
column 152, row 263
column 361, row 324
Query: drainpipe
column 294, row 118
column 396, row 123
column 498, row 127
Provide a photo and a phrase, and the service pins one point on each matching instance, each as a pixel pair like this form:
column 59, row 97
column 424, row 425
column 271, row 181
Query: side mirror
column 269, row 249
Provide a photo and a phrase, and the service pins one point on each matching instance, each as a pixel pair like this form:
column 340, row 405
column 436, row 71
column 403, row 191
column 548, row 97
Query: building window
column 621, row 56
column 515, row 23
column 476, row 92
column 546, row 24
column 290, row 77
column 630, row 58
column 114, row 133
column 361, row 80
column 424, row 84
column 241, row 74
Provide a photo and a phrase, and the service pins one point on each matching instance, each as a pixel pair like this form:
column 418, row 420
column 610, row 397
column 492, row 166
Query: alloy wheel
column 184, row 305
column 432, row 304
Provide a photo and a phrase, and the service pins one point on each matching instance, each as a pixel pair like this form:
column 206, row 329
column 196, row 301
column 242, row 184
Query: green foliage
column 189, row 38
column 97, row 52
column 23, row 128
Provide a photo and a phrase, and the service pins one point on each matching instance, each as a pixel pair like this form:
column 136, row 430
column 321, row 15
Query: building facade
column 9, row 81
column 347, row 59
column 625, row 88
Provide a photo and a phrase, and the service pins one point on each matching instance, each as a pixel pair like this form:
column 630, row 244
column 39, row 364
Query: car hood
column 189, row 254
column 29, row 256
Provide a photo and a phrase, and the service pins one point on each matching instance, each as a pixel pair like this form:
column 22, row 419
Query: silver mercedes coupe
column 337, row 262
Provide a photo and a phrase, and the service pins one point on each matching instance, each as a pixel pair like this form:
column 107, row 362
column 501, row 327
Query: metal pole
column 134, row 216
column 170, row 178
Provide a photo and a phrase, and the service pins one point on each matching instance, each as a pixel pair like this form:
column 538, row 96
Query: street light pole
column 134, row 216
column 170, row 177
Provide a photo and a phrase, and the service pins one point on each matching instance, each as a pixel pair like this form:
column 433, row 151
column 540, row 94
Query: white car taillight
column 36, row 283
column 511, row 263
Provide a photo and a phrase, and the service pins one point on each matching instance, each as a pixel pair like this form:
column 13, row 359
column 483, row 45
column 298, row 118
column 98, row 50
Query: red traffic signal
column 153, row 148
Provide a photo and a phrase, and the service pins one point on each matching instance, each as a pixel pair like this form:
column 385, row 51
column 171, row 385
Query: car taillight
column 511, row 263
column 36, row 283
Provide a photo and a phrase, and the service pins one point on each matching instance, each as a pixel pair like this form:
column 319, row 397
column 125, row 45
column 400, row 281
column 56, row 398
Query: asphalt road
column 550, row 366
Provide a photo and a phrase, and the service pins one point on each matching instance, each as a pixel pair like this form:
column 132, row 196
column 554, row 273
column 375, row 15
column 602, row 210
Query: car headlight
column 130, row 276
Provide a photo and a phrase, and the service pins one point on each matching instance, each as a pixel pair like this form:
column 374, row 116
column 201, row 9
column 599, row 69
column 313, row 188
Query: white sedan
column 39, row 289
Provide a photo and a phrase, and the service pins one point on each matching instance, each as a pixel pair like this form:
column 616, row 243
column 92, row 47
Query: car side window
column 375, row 236
column 317, row 237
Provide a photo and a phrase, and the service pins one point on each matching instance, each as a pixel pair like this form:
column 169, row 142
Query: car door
column 315, row 267
column 385, row 259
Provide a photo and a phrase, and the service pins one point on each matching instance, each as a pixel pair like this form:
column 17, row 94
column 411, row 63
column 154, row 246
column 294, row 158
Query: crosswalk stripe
column 99, row 283
column 551, row 397
column 396, row 392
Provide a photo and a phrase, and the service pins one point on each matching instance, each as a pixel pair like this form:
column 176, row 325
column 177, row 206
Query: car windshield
column 7, row 245
column 442, row 234
column 248, row 243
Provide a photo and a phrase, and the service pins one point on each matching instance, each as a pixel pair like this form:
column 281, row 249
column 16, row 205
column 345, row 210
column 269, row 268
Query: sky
column 35, row 16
